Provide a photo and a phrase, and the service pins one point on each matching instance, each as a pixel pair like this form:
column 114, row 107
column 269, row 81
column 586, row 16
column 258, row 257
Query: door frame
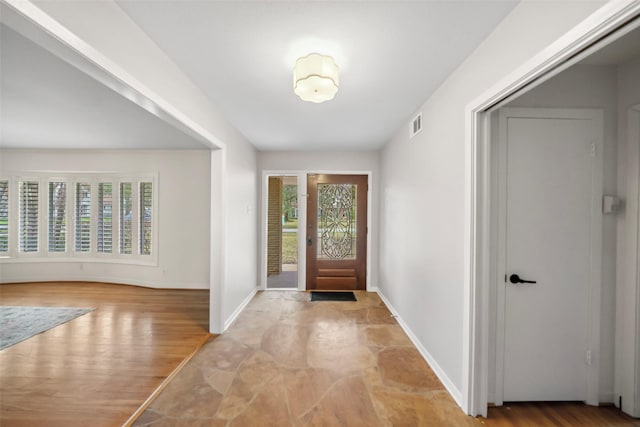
column 610, row 22
column 302, row 220
column 627, row 368
column 635, row 112
column 499, row 250
column 302, row 225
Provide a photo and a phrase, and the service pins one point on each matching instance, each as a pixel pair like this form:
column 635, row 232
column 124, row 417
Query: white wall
column 334, row 161
column 592, row 86
column 241, row 227
column 628, row 166
column 103, row 26
column 422, row 187
column 108, row 29
column 183, row 216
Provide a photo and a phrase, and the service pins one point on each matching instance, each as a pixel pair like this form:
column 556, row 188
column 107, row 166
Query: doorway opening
column 483, row 224
column 282, row 232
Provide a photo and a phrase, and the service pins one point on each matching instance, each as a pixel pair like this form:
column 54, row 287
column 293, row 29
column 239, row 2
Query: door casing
column 612, row 21
column 627, row 367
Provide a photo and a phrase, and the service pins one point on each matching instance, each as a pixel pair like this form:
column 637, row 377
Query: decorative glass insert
column 4, row 216
column 146, row 205
column 28, row 217
column 57, row 216
column 126, row 222
column 337, row 221
column 105, row 217
column 83, row 217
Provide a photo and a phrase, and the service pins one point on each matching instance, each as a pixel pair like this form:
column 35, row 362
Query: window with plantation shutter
column 146, row 195
column 105, row 218
column 28, row 216
column 57, row 216
column 83, row 217
column 126, row 221
column 4, row 216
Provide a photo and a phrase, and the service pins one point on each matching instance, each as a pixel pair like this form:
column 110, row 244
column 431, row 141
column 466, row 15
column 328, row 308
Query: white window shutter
column 126, row 220
column 4, row 216
column 28, row 216
column 83, row 217
column 105, row 218
column 57, row 216
column 145, row 212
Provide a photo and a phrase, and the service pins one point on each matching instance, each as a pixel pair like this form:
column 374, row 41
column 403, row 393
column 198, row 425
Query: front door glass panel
column 337, row 215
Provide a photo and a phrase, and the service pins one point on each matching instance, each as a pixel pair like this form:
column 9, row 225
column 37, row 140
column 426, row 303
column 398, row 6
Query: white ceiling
column 392, row 56
column 48, row 103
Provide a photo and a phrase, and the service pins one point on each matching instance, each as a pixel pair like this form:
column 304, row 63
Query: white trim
column 440, row 373
column 217, row 240
column 627, row 370
column 302, row 226
column 240, row 308
column 119, row 280
column 636, row 409
column 564, row 52
column 79, row 258
column 595, row 260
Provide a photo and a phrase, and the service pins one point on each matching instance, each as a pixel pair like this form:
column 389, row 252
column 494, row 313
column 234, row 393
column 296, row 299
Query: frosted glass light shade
column 315, row 78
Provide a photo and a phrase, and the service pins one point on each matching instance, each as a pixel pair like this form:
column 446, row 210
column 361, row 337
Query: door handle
column 309, row 241
column 514, row 278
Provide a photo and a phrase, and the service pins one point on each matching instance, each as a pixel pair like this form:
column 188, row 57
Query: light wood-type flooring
column 284, row 362
column 97, row 369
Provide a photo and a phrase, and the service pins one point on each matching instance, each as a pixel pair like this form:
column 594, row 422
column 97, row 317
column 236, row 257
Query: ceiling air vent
column 415, row 126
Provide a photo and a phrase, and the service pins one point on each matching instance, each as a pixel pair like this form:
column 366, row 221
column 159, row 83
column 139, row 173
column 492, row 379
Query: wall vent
column 415, row 126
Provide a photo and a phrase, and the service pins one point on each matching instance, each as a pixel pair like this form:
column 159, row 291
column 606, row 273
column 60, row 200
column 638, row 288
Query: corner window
column 99, row 217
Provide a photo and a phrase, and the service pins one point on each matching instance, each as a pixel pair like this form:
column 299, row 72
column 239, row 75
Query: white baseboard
column 442, row 376
column 239, row 309
column 155, row 284
column 606, row 397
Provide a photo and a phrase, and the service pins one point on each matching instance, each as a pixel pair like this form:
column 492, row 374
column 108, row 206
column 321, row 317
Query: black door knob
column 514, row 278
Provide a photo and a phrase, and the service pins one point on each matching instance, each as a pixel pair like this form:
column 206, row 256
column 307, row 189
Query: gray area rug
column 19, row 323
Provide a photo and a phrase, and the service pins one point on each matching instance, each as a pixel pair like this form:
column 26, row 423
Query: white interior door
column 551, row 236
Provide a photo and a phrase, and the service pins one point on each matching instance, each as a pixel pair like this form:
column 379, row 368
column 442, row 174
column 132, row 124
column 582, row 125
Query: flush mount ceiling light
column 315, row 78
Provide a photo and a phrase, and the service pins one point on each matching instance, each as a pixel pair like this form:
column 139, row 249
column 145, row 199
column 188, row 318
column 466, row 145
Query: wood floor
column 98, row 369
column 557, row 414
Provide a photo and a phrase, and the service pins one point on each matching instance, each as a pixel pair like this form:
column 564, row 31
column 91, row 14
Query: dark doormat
column 332, row 296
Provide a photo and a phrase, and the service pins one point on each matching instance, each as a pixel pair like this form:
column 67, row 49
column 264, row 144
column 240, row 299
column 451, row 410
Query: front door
column 337, row 232
column 551, row 254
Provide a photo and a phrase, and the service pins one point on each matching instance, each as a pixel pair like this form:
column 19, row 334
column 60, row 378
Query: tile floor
column 289, row 362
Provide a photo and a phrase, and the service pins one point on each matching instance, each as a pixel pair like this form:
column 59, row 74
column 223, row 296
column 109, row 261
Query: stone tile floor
column 289, row 362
